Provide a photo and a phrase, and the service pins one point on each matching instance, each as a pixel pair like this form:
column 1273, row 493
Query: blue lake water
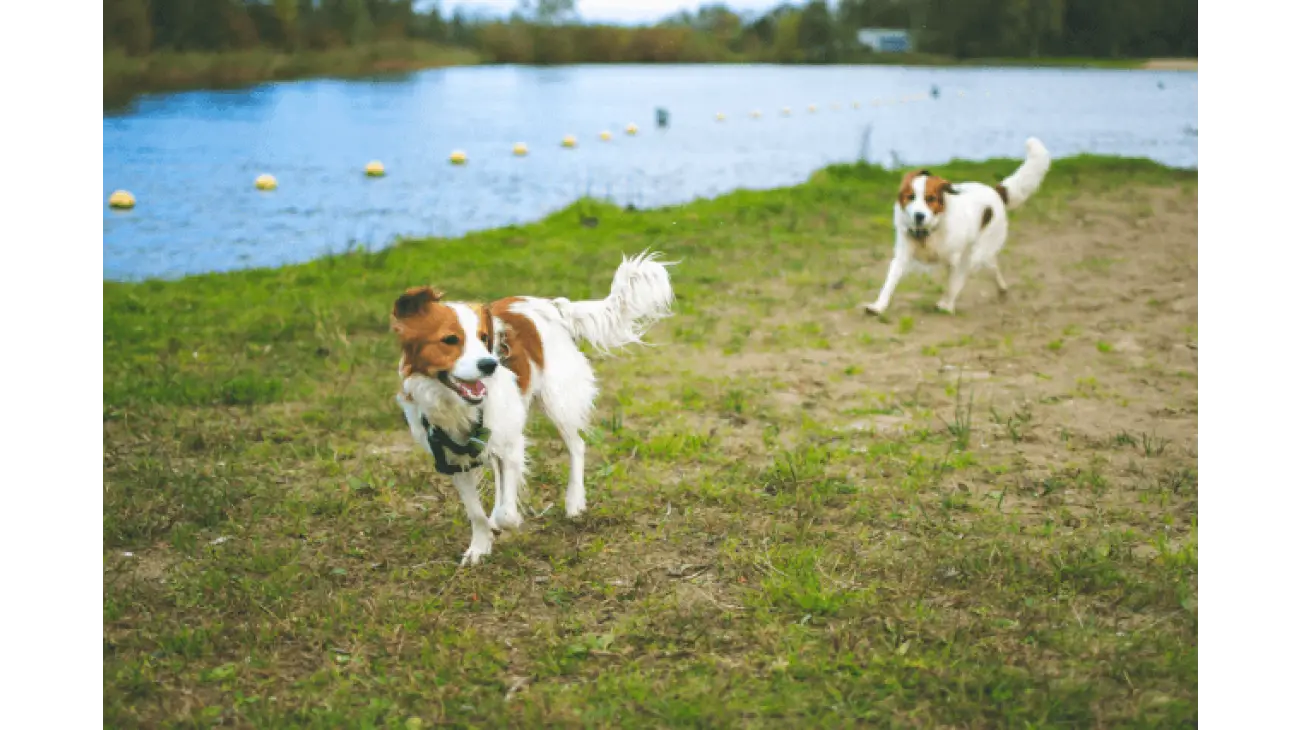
column 190, row 158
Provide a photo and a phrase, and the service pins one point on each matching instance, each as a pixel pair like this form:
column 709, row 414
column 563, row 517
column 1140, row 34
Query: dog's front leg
column 897, row 267
column 505, row 513
column 480, row 543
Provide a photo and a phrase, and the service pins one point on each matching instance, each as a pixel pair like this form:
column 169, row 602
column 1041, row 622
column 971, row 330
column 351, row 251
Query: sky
column 616, row 11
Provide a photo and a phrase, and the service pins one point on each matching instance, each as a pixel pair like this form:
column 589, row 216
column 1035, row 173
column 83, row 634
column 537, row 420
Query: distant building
column 885, row 40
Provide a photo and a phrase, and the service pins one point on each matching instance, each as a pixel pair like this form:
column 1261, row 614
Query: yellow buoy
column 569, row 141
column 458, row 157
column 785, row 110
column 375, row 168
column 520, row 149
column 720, row 117
column 265, row 182
column 756, row 114
column 606, row 136
column 121, row 199
column 856, row 105
column 631, row 128
column 812, row 108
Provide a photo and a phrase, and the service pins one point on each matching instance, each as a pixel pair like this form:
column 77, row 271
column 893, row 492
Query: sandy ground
column 1097, row 337
column 1171, row 64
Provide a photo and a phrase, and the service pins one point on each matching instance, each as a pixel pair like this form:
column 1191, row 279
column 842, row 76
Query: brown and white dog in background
column 960, row 226
column 469, row 373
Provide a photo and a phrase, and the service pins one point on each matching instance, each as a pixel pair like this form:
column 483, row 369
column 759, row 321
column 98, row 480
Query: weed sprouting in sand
column 960, row 425
column 1014, row 423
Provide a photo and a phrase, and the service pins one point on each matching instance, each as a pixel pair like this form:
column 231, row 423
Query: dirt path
column 1171, row 64
column 1096, row 339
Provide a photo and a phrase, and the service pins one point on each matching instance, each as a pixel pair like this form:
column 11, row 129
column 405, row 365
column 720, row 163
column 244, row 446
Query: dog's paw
column 478, row 549
column 946, row 308
column 503, row 520
column 872, row 309
column 575, row 508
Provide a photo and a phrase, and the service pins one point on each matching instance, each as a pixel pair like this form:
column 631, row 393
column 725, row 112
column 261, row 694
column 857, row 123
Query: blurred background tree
column 550, row 31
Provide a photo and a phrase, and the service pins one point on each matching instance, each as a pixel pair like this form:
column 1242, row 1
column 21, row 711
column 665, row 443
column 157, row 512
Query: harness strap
column 440, row 442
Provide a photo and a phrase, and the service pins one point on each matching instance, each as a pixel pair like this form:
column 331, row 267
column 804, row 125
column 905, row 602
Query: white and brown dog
column 961, row 226
column 466, row 410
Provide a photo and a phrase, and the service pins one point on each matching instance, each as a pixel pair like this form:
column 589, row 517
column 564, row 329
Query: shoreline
column 580, row 207
column 128, row 78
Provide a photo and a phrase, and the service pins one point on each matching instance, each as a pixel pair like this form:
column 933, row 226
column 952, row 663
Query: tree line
column 548, row 31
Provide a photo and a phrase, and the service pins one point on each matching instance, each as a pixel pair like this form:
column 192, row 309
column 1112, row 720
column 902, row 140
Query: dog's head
column 450, row 342
column 921, row 201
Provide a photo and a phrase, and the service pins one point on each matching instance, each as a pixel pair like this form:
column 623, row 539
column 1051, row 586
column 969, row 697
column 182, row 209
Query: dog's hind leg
column 956, row 281
column 1002, row 283
column 496, row 503
column 568, row 391
column 575, row 496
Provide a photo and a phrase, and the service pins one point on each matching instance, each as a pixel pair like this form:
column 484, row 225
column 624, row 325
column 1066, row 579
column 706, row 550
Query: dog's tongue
column 475, row 389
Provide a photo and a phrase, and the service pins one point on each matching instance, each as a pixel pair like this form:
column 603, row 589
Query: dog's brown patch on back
column 1002, row 193
column 422, row 324
column 521, row 344
column 988, row 216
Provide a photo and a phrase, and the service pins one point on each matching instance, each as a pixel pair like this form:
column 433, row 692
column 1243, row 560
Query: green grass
column 126, row 77
column 753, row 554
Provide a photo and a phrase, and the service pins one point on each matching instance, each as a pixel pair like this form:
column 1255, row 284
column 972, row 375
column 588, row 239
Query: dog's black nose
column 919, row 217
column 487, row 365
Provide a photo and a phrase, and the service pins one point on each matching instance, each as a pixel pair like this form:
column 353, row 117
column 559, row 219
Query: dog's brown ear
column 485, row 327
column 923, row 172
column 906, row 184
column 414, row 301
column 948, row 189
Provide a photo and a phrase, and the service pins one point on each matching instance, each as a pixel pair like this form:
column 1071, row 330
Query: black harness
column 440, row 442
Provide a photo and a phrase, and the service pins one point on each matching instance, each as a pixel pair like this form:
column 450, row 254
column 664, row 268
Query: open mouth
column 918, row 233
column 471, row 391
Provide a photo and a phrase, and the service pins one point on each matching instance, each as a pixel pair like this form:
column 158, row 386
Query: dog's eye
column 911, row 197
column 483, row 337
column 451, row 340
column 929, row 198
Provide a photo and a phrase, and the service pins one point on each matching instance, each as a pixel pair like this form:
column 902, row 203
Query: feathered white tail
column 640, row 296
column 1025, row 180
